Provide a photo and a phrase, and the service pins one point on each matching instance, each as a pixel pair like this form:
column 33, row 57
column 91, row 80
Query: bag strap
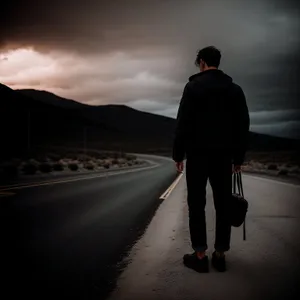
column 241, row 191
column 234, row 183
column 237, row 182
column 240, row 184
column 244, row 230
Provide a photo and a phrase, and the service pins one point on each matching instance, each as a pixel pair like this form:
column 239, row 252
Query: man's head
column 208, row 58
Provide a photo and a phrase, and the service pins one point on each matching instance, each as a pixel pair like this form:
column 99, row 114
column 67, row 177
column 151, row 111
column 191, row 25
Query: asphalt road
column 67, row 239
column 265, row 266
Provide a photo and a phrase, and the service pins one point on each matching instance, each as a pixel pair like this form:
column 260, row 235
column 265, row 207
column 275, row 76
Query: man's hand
column 236, row 168
column 179, row 166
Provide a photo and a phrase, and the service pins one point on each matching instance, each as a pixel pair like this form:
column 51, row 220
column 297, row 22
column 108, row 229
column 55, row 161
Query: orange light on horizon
column 24, row 66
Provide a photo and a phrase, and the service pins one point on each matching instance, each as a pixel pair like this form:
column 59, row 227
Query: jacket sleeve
column 241, row 127
column 181, row 126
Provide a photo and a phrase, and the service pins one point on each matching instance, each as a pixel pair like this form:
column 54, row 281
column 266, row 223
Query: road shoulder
column 278, row 178
column 155, row 269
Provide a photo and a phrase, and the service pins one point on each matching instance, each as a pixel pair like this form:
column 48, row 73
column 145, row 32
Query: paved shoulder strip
column 260, row 178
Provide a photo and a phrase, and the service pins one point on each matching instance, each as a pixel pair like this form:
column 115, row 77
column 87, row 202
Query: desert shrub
column 130, row 157
column 283, row 172
column 102, row 155
column 106, row 165
column 115, row 161
column 45, row 167
column 54, row 156
column 272, row 167
column 89, row 166
column 33, row 161
column 100, row 162
column 257, row 165
column 71, row 155
column 58, row 166
column 120, row 165
column 73, row 166
column 30, row 168
column 248, row 162
column 64, row 162
column 84, row 157
column 122, row 161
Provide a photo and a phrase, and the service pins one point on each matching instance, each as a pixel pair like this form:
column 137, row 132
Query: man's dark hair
column 211, row 55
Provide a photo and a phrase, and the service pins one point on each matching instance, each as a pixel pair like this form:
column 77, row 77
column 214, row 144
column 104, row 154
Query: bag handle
column 234, row 183
column 240, row 184
column 241, row 191
column 237, row 182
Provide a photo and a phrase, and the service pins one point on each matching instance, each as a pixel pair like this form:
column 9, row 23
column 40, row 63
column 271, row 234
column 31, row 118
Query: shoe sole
column 197, row 269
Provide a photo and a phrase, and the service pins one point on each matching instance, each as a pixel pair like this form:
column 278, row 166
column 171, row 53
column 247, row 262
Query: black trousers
column 218, row 169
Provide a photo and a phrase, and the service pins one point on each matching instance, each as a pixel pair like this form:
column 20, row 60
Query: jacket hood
column 212, row 77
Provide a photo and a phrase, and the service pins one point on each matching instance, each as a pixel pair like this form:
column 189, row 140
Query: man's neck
column 210, row 68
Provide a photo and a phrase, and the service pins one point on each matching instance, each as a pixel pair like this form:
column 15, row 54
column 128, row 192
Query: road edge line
column 78, row 178
column 169, row 190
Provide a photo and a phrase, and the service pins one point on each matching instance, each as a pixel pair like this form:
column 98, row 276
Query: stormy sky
column 141, row 53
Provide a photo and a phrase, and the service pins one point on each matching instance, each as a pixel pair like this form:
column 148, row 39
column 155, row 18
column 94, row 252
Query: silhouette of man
column 211, row 133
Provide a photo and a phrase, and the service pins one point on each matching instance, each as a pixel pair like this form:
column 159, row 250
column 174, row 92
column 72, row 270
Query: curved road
column 66, row 239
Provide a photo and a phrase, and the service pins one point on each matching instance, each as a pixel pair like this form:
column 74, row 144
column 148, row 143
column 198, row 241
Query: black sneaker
column 193, row 262
column 218, row 262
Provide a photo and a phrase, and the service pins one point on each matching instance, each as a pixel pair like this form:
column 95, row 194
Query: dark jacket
column 212, row 116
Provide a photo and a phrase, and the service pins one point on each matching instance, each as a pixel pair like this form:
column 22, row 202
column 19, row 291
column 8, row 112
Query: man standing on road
column 211, row 133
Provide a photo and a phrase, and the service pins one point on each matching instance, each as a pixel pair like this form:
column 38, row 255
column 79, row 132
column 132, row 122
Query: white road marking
column 106, row 174
column 166, row 194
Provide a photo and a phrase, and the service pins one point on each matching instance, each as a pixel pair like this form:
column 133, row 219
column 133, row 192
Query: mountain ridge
column 34, row 117
column 34, row 93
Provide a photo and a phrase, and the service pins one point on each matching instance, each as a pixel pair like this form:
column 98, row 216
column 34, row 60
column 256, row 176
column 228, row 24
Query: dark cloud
column 141, row 52
column 282, row 129
column 275, row 116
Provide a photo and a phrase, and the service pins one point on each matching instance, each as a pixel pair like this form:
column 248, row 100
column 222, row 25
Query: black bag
column 238, row 204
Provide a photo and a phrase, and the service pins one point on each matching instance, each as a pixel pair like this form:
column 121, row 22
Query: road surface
column 265, row 266
column 65, row 239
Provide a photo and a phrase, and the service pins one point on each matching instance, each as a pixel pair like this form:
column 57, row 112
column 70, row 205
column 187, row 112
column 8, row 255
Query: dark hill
column 50, row 98
column 30, row 118
column 139, row 124
column 26, row 122
column 121, row 117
